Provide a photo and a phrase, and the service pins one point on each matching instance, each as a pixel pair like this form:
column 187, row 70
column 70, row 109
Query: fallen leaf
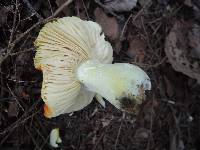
column 119, row 5
column 109, row 24
column 178, row 49
column 194, row 41
column 142, row 133
column 136, row 49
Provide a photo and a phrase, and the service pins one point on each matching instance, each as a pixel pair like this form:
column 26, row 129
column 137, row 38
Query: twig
column 21, row 120
column 14, row 125
column 127, row 21
column 11, row 46
column 100, row 138
column 45, row 140
column 146, row 33
column 61, row 8
column 85, row 9
column 169, row 101
column 33, row 139
column 176, row 121
column 7, row 98
column 25, row 51
column 50, row 6
column 119, row 131
column 14, row 23
column 148, row 66
column 151, row 126
column 16, row 98
column 130, row 16
column 2, row 85
column 32, row 10
column 125, row 25
column 111, row 12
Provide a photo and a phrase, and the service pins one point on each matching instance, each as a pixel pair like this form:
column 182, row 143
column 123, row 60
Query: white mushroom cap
column 67, row 49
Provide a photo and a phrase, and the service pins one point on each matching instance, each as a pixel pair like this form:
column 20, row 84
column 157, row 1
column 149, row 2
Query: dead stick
column 12, row 45
column 61, row 8
column 32, row 10
column 14, row 23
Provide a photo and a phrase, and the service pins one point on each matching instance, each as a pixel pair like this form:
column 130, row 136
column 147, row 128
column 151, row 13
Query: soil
column 169, row 118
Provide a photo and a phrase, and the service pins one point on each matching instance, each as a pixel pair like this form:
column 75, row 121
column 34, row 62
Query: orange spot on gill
column 40, row 67
column 48, row 112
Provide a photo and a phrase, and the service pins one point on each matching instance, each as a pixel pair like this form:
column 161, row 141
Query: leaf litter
column 119, row 5
column 160, row 30
column 183, row 49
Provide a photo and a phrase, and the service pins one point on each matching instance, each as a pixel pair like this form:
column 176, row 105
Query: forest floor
column 160, row 36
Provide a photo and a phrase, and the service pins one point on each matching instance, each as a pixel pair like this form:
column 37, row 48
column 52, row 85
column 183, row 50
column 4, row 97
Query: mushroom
column 76, row 62
column 54, row 138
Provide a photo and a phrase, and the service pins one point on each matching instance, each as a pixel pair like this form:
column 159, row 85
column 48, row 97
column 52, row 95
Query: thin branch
column 50, row 6
column 151, row 124
column 125, row 25
column 119, row 131
column 16, row 98
column 14, row 23
column 61, row 8
column 11, row 46
column 111, row 12
column 24, row 51
column 85, row 9
column 21, row 120
column 33, row 139
column 32, row 10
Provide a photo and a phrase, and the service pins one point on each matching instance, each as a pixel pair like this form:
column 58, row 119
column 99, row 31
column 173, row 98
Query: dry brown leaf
column 194, row 41
column 136, row 49
column 119, row 5
column 142, row 133
column 109, row 24
column 178, row 51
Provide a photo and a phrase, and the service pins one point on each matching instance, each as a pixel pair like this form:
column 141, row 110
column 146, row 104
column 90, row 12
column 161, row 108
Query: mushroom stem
column 123, row 85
